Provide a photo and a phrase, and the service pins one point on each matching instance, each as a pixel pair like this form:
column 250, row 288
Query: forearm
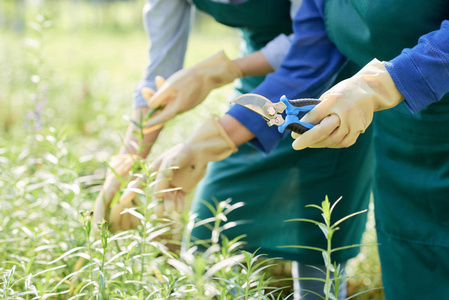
column 138, row 145
column 238, row 133
column 422, row 73
column 309, row 68
column 254, row 64
column 168, row 40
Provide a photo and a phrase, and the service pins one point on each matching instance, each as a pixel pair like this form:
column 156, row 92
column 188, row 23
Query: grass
column 66, row 82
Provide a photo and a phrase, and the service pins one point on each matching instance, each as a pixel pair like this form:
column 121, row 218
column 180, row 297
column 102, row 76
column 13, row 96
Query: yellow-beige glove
column 189, row 87
column 121, row 164
column 347, row 108
column 125, row 221
column 184, row 165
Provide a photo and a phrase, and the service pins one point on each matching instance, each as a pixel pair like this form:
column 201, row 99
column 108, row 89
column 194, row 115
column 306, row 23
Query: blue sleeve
column 421, row 74
column 167, row 25
column 309, row 69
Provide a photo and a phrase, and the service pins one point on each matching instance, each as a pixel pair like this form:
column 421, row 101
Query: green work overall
column 411, row 181
column 277, row 187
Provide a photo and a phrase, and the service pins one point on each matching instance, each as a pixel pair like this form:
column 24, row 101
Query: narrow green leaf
column 312, row 292
column 151, row 112
column 303, row 247
column 353, row 246
column 29, row 264
column 367, row 291
column 305, row 220
column 335, row 204
column 311, row 278
column 324, row 229
column 315, row 206
column 347, row 217
column 326, row 208
column 122, row 181
column 10, row 275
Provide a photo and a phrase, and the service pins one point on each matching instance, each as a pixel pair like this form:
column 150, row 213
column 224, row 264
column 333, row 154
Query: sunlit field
column 67, row 73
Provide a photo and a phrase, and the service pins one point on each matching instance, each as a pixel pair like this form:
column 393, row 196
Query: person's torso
column 260, row 21
column 363, row 30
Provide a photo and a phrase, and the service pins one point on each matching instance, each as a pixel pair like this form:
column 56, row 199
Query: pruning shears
column 272, row 112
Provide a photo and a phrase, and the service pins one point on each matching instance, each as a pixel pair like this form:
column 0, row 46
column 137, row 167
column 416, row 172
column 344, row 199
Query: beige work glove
column 122, row 165
column 347, row 108
column 120, row 220
column 184, row 165
column 189, row 87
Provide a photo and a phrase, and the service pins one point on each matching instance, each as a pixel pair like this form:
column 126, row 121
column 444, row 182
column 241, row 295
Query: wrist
column 218, row 70
column 254, row 64
column 136, row 145
column 211, row 141
column 237, row 132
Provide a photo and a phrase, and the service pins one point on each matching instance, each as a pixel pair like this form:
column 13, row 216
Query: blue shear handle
column 295, row 110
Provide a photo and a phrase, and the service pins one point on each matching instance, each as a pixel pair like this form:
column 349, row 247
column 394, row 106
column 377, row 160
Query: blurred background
column 73, row 64
column 68, row 69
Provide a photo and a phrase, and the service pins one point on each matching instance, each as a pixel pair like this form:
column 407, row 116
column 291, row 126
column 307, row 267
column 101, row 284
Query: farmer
column 273, row 181
column 411, row 85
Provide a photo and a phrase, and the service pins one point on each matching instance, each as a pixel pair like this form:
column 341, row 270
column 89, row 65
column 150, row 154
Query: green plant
column 332, row 284
column 49, row 176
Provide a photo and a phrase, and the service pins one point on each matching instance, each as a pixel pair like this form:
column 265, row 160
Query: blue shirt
column 421, row 74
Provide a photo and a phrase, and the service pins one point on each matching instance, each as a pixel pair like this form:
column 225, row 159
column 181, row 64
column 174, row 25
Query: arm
column 419, row 76
column 309, row 73
column 310, row 67
column 238, row 133
column 189, row 87
column 168, row 42
column 214, row 72
column 167, row 25
column 254, row 64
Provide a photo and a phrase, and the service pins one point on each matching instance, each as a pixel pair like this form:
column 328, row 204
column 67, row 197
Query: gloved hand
column 125, row 221
column 188, row 87
column 121, row 164
column 184, row 165
column 347, row 108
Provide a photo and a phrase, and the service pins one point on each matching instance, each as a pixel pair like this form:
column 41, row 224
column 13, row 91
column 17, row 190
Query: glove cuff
column 211, row 141
column 376, row 76
column 218, row 70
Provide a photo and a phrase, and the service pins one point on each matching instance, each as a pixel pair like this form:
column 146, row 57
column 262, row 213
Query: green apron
column 411, row 179
column 259, row 21
column 276, row 187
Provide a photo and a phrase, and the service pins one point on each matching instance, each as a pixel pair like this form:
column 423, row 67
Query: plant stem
column 144, row 234
column 329, row 249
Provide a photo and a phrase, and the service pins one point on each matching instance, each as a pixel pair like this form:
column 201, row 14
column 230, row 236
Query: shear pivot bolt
column 271, row 111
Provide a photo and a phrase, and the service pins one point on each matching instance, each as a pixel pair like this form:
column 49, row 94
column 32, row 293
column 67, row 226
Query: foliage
column 49, row 249
column 332, row 284
column 63, row 91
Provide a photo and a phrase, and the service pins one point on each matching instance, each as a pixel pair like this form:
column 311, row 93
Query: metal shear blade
column 270, row 111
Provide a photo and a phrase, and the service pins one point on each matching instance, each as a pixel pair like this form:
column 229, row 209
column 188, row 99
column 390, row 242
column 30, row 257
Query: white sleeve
column 294, row 7
column 277, row 49
column 167, row 24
